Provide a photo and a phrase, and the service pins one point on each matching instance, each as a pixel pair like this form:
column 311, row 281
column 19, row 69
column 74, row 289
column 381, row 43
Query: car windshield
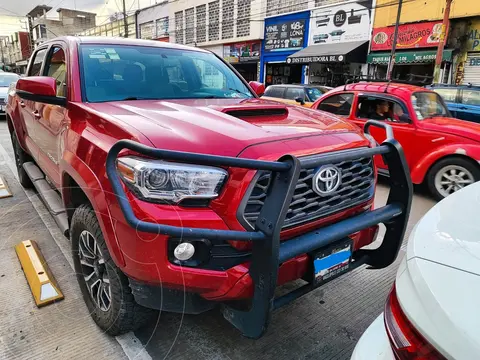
column 128, row 72
column 314, row 93
column 428, row 104
column 7, row 79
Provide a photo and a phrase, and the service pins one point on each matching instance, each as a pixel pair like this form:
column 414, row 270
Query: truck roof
column 75, row 40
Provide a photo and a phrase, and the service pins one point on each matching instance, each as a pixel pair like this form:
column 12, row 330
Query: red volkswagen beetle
column 441, row 151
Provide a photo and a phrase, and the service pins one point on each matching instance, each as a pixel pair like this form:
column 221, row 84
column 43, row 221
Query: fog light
column 184, row 251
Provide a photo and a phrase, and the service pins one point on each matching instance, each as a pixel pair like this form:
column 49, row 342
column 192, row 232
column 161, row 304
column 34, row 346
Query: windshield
column 124, row 72
column 428, row 104
column 7, row 79
column 314, row 93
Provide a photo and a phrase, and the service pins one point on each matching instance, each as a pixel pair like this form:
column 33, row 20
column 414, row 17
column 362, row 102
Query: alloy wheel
column 94, row 271
column 452, row 178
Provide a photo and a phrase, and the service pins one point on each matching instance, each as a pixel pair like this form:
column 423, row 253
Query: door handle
column 22, row 104
column 36, row 114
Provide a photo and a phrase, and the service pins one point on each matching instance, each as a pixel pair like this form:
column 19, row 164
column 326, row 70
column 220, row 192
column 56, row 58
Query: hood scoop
column 260, row 113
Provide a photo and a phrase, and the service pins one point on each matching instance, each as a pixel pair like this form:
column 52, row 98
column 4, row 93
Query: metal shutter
column 472, row 69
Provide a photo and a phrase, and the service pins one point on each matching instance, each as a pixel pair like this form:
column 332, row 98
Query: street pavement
column 324, row 324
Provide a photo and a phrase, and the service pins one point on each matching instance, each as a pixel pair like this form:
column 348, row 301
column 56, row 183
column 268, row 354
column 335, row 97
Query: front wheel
column 104, row 287
column 450, row 175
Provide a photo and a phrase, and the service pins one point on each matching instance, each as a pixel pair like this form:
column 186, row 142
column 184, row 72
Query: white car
column 5, row 80
column 433, row 309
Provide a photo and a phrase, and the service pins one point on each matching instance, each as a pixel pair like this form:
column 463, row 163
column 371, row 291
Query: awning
column 410, row 57
column 353, row 51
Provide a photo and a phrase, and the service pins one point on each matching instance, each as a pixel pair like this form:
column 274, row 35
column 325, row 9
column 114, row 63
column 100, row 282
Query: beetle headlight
column 170, row 182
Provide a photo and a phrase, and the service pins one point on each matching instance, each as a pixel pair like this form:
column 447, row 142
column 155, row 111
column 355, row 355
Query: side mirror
column 40, row 89
column 405, row 118
column 300, row 100
column 257, row 87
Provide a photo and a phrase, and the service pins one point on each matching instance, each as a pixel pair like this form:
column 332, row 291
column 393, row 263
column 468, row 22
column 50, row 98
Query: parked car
column 463, row 101
column 441, row 151
column 304, row 95
column 6, row 79
column 175, row 184
column 432, row 311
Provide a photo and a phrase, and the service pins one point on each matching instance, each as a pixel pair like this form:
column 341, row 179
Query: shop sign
column 473, row 36
column 408, row 57
column 474, row 61
column 315, row 59
column 340, row 23
column 425, row 34
column 242, row 52
column 284, row 36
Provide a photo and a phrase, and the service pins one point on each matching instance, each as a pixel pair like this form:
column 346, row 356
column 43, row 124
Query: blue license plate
column 332, row 261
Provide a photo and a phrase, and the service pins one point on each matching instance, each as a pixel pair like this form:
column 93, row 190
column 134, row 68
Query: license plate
column 332, row 261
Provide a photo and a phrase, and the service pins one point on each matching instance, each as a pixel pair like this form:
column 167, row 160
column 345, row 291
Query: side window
column 370, row 107
column 471, row 97
column 449, row 95
column 275, row 91
column 293, row 93
column 340, row 104
column 37, row 63
column 56, row 67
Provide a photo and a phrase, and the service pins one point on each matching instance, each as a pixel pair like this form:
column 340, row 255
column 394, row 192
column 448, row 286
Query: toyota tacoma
column 180, row 189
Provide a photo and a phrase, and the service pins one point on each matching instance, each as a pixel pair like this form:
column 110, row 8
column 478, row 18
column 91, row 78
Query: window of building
column 276, row 7
column 213, row 20
column 162, row 27
column 201, row 23
column 56, row 67
column 227, row 18
column 190, row 26
column 243, row 17
column 340, row 104
column 37, row 62
column 179, row 27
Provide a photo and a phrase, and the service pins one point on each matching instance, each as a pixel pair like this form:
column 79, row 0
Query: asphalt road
column 324, row 324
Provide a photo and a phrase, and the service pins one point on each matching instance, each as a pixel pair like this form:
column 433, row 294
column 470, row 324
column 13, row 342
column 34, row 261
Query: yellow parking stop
column 40, row 279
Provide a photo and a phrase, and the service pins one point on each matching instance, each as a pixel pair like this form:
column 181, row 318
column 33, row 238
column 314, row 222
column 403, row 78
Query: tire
column 450, row 175
column 21, row 157
column 121, row 313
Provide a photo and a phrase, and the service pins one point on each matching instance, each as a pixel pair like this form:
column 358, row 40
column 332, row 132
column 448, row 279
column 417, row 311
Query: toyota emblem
column 327, row 180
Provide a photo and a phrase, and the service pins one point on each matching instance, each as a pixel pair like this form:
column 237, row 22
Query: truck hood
column 449, row 233
column 466, row 129
column 220, row 126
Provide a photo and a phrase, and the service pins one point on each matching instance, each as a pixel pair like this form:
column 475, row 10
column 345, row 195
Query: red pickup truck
column 180, row 189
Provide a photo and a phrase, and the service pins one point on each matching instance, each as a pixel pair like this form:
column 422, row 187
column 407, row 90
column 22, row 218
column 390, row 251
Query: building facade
column 16, row 50
column 419, row 36
column 153, row 22
column 115, row 27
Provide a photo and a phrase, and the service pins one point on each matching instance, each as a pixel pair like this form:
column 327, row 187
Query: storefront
column 471, row 70
column 337, row 43
column 284, row 35
column 415, row 52
column 245, row 58
column 420, row 64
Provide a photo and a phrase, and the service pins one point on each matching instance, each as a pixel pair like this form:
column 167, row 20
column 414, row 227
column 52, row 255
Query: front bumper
column 267, row 251
column 374, row 343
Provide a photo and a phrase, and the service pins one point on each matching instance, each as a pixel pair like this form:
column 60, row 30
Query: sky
column 12, row 12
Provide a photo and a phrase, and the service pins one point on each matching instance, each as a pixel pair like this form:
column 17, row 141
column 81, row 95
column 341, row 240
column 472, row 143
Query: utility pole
column 125, row 21
column 391, row 63
column 441, row 43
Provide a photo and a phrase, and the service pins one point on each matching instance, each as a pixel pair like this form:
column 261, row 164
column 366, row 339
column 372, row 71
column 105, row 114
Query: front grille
column 357, row 187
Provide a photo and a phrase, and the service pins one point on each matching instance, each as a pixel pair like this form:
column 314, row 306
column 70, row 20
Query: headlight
column 170, row 182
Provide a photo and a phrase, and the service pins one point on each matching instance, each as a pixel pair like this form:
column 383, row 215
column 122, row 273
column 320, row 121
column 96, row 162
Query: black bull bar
column 267, row 250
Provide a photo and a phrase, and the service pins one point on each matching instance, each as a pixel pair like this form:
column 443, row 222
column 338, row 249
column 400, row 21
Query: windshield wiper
column 240, row 92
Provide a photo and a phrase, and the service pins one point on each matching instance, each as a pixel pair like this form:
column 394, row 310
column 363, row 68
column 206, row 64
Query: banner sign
column 285, row 36
column 340, row 23
column 248, row 51
column 410, row 36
